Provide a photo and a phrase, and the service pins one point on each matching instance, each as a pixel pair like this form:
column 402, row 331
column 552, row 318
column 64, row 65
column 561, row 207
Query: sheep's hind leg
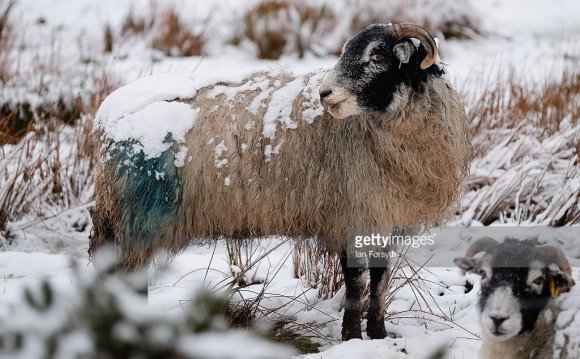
column 355, row 283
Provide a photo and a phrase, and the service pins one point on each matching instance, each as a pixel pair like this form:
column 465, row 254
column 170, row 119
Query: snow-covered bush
column 40, row 85
column 103, row 315
column 321, row 27
column 164, row 29
column 44, row 79
column 526, row 163
column 50, row 170
column 277, row 27
column 443, row 18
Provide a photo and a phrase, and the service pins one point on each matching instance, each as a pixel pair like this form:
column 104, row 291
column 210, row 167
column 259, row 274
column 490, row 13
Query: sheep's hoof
column 351, row 332
column 348, row 335
column 377, row 330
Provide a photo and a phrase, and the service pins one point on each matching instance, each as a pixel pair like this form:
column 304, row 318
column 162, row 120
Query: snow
column 568, row 323
column 239, row 346
column 270, row 151
column 357, row 348
column 144, row 111
column 258, row 102
column 219, row 150
column 416, row 43
column 533, row 36
column 280, row 108
column 151, row 125
column 180, row 156
column 139, row 94
column 230, row 92
column 311, row 107
column 188, row 274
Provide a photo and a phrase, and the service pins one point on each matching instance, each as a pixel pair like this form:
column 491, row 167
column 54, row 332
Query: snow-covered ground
column 445, row 318
column 535, row 36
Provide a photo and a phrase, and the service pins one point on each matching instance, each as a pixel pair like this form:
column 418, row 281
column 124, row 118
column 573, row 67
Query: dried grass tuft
column 50, row 169
column 451, row 20
column 276, row 27
column 5, row 26
column 177, row 39
column 46, row 153
column 317, row 267
column 165, row 30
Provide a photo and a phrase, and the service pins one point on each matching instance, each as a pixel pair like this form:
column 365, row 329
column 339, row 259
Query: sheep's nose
column 324, row 93
column 497, row 321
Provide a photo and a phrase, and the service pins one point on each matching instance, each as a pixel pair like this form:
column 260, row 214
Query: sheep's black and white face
column 516, row 285
column 373, row 70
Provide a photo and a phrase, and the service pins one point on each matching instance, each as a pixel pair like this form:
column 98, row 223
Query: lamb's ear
column 404, row 50
column 467, row 264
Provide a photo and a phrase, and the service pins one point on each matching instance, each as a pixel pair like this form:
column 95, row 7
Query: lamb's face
column 516, row 285
column 374, row 68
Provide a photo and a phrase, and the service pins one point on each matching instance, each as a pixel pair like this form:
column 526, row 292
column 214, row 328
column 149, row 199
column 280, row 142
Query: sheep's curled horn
column 405, row 31
column 481, row 245
column 549, row 253
column 556, row 256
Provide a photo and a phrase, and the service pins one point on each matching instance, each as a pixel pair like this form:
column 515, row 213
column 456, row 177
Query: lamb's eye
column 377, row 58
column 539, row 280
column 482, row 274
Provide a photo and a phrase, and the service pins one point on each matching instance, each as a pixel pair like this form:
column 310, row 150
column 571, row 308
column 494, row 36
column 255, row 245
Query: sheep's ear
column 562, row 284
column 467, row 264
column 403, row 51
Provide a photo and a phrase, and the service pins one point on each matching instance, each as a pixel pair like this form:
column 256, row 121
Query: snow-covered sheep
column 517, row 310
column 186, row 157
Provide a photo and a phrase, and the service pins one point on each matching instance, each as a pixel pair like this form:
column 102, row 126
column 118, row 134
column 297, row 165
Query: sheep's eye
column 377, row 58
column 482, row 274
column 539, row 280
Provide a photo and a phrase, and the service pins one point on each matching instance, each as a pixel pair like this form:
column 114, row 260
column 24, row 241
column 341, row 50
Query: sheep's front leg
column 355, row 283
column 378, row 290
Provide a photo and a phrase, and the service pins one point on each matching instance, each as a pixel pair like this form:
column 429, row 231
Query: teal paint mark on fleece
column 151, row 196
